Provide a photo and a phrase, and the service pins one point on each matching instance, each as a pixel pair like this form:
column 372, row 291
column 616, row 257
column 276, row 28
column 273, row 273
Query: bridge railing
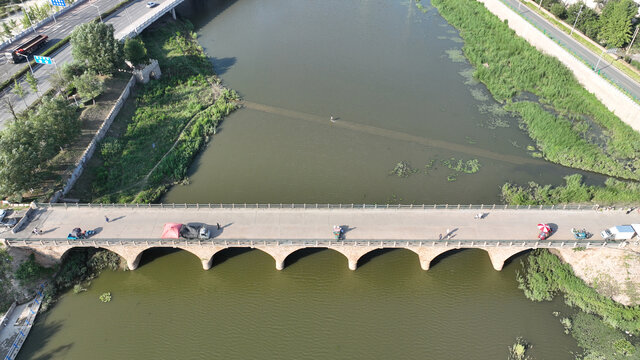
column 327, row 206
column 452, row 243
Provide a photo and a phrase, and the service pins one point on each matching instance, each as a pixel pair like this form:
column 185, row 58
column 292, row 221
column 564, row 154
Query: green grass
column 172, row 120
column 574, row 191
column 544, row 276
column 509, row 66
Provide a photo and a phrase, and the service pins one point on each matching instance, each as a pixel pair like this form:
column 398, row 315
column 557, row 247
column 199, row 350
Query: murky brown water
column 384, row 69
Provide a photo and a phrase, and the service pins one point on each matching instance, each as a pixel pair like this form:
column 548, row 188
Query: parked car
column 152, row 4
column 9, row 223
column 3, row 213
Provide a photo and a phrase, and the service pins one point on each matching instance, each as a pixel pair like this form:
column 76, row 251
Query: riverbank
column 162, row 126
column 603, row 327
column 570, row 126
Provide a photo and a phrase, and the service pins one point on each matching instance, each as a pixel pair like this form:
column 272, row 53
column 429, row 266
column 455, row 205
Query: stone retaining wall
column 8, row 314
column 94, row 143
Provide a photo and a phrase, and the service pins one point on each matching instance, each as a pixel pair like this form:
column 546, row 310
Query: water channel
column 392, row 76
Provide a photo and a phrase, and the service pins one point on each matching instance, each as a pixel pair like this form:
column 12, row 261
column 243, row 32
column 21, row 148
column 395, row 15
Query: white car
column 151, row 4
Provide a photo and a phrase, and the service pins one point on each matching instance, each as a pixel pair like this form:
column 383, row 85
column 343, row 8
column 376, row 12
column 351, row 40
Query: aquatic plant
column 574, row 191
column 105, row 297
column 478, row 94
column 455, row 55
column 468, row 167
column 403, row 169
column 509, row 67
column 518, row 350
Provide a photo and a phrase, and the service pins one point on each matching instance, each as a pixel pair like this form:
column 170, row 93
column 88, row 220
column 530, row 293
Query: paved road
column 316, row 224
column 120, row 20
column 611, row 72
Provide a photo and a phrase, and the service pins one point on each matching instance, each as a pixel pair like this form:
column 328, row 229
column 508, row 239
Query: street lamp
column 98, row 8
column 575, row 22
column 28, row 17
column 30, row 68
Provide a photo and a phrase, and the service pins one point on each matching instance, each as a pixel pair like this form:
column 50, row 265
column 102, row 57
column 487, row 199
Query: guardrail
column 587, row 244
column 26, row 328
column 328, row 206
column 163, row 8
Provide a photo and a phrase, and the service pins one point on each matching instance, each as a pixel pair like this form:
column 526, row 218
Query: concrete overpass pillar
column 499, row 256
column 173, row 13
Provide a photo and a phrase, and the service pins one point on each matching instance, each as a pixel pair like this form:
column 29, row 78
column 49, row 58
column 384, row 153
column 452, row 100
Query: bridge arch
column 67, row 250
column 204, row 254
column 500, row 256
column 220, row 254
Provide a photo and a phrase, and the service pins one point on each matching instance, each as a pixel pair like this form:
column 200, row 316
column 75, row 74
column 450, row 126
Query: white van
column 620, row 232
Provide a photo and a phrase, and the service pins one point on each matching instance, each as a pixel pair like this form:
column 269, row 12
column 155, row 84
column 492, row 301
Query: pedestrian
column 440, row 237
column 332, row 119
column 37, row 231
column 106, row 218
column 218, row 226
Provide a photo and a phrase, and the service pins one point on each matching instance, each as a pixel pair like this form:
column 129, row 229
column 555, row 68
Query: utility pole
column 99, row 14
column 540, row 5
column 599, row 58
column 575, row 22
column 633, row 39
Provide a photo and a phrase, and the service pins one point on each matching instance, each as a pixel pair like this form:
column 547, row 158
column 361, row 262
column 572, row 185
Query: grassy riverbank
column 163, row 126
column 570, row 126
column 599, row 327
column 574, row 191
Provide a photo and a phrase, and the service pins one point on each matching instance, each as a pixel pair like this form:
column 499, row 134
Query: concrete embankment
column 16, row 326
column 618, row 103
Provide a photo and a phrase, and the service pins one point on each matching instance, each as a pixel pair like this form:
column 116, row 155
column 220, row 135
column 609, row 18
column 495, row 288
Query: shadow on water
column 38, row 339
column 221, row 65
column 371, row 255
column 444, row 255
column 517, row 256
column 148, row 256
column 299, row 254
column 228, row 253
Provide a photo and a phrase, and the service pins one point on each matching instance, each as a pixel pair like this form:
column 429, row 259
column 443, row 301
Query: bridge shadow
column 228, row 253
column 444, row 255
column 299, row 254
column 366, row 258
column 516, row 256
column 151, row 254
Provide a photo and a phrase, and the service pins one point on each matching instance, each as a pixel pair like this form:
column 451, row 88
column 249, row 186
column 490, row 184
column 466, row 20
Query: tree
column 8, row 104
column 588, row 21
column 56, row 124
column 94, row 44
column 33, row 82
column 615, row 20
column 19, row 158
column 559, row 10
column 89, row 85
column 135, row 51
column 6, row 30
column 19, row 90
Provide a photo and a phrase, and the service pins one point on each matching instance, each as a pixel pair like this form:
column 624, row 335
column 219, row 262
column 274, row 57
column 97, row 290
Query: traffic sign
column 58, row 3
column 43, row 60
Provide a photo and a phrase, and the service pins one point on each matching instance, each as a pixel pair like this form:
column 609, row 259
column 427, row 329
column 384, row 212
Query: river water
column 315, row 308
column 393, row 78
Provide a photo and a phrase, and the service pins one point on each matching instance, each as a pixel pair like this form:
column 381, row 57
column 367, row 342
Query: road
column 120, row 20
column 611, row 71
column 283, row 224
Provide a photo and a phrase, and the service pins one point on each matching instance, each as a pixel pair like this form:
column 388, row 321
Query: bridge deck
column 316, row 224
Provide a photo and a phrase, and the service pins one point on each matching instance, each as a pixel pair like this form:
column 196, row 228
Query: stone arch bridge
column 280, row 230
